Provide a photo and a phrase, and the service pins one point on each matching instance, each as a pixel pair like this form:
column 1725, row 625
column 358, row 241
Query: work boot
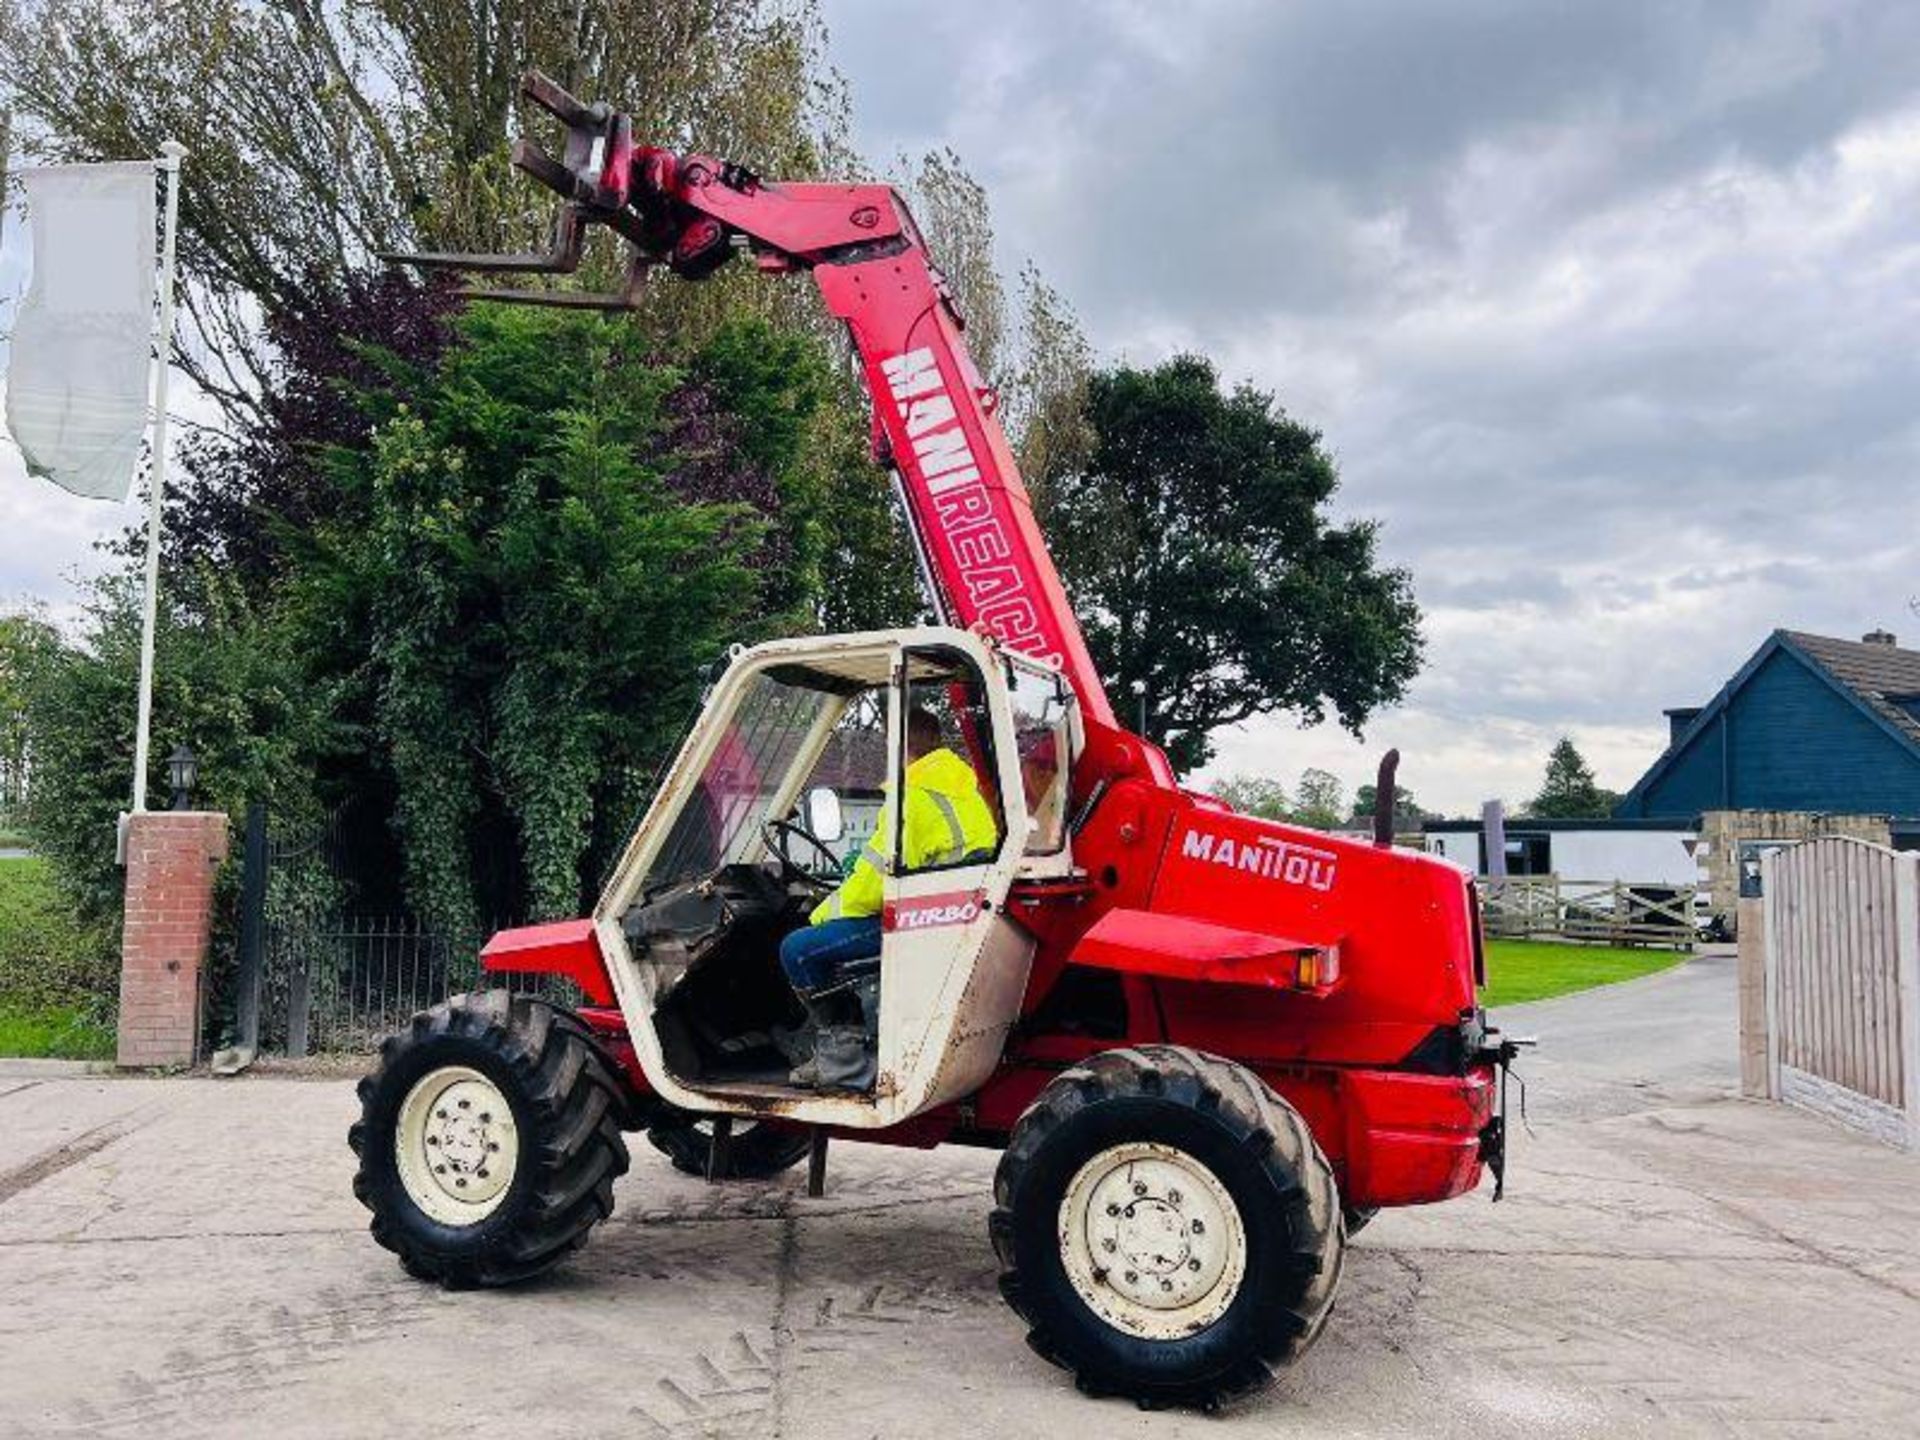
column 842, row 1060
column 823, row 1011
column 795, row 1042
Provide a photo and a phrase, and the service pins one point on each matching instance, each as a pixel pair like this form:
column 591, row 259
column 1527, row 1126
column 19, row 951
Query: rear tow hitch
column 1501, row 1050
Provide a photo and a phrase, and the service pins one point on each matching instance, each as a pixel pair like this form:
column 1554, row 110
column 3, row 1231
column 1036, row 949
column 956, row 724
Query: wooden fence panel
column 1610, row 912
column 1843, row 982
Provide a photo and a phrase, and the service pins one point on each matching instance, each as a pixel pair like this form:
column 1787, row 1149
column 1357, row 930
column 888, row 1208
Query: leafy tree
column 28, row 645
column 1195, row 542
column 468, row 571
column 1569, row 791
column 1407, row 814
column 1320, row 800
column 1254, row 795
column 1046, row 409
column 322, row 133
column 533, row 562
column 950, row 207
column 349, row 356
column 225, row 682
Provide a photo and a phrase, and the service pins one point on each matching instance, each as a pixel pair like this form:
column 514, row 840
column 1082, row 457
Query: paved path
column 182, row 1258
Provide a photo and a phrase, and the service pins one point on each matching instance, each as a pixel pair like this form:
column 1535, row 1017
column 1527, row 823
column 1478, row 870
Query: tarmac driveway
column 182, row 1258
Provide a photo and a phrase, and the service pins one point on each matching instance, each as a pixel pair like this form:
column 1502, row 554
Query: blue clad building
column 1808, row 724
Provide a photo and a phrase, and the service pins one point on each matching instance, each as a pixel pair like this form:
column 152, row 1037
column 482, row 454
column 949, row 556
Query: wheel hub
column 456, row 1145
column 1152, row 1240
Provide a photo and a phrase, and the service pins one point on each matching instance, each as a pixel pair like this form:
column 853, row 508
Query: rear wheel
column 1167, row 1227
column 489, row 1140
column 755, row 1150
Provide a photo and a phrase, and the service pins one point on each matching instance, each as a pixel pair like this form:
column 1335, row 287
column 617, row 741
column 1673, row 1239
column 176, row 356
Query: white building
column 1653, row 852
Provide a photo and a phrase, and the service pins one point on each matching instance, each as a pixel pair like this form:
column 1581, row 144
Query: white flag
column 82, row 345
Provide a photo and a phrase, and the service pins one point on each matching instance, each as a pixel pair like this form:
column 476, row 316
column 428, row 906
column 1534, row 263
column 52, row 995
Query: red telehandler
column 1208, row 1046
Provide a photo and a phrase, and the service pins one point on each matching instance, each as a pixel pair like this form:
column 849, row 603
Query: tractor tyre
column 489, row 1140
column 1167, row 1227
column 756, row 1151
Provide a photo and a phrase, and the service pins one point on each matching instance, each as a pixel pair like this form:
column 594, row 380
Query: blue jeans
column 815, row 955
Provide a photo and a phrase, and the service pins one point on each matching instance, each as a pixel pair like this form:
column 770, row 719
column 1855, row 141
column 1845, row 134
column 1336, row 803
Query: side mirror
column 822, row 810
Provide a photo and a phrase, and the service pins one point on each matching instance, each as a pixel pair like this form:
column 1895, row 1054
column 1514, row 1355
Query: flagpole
column 171, row 152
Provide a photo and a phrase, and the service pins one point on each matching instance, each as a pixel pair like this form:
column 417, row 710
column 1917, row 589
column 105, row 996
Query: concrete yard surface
column 183, row 1257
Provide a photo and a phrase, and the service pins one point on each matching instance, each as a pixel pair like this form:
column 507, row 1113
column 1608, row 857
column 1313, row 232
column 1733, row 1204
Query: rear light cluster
column 1317, row 969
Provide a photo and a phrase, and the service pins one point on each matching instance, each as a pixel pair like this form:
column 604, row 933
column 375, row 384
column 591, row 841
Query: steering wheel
column 776, row 834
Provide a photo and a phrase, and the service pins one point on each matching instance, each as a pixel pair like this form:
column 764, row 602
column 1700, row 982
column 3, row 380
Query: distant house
column 1811, row 725
column 1812, row 736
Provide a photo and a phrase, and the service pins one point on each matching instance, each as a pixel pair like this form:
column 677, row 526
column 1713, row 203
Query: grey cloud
column 1208, row 153
column 1605, row 308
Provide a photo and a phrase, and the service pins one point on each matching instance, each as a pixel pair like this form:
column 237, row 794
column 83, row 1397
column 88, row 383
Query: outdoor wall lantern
column 183, row 773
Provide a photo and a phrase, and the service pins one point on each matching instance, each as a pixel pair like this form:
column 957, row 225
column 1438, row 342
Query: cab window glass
column 1040, row 737
column 720, row 822
column 952, row 812
column 853, row 765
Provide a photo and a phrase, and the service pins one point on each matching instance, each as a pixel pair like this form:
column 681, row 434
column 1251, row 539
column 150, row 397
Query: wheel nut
column 439, row 1169
column 1199, row 1228
column 439, row 1114
column 1173, row 1197
column 1193, row 1264
column 1107, row 1244
column 1167, row 1285
column 493, row 1145
column 483, row 1174
column 1113, row 1209
column 1138, row 1188
column 1132, row 1276
column 461, row 1181
column 485, row 1118
column 466, row 1104
column 433, row 1139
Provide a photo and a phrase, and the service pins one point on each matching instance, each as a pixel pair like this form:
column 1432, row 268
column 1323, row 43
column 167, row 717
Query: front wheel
column 1167, row 1227
column 489, row 1140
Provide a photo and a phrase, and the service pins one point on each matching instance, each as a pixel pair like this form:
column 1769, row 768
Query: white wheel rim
column 456, row 1145
column 1152, row 1241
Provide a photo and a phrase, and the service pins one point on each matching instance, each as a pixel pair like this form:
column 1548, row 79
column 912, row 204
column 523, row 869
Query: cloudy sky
column 1608, row 310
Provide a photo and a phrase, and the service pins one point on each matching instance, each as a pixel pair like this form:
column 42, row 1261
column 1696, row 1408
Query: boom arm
column 934, row 418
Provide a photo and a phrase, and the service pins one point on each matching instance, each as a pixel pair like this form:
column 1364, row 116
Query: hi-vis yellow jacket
column 947, row 818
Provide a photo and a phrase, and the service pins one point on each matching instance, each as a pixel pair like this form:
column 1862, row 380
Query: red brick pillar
column 171, row 859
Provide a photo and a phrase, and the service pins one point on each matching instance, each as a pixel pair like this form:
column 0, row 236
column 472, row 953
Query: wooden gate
column 1843, row 983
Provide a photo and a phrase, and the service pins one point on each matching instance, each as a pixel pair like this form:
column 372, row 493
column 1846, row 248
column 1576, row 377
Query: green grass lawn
column 57, row 978
column 54, row 1032
column 1520, row 970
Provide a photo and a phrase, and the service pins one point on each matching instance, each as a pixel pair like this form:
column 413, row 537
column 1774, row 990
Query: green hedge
column 48, row 959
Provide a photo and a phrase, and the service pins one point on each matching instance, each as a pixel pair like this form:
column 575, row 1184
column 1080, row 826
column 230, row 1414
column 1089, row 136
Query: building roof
column 1877, row 676
column 1883, row 677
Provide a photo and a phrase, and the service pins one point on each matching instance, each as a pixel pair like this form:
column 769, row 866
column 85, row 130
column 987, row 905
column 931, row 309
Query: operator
column 946, row 819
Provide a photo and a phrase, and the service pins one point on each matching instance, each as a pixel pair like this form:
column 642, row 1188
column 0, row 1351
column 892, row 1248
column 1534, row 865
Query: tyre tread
column 578, row 1102
column 1267, row 1127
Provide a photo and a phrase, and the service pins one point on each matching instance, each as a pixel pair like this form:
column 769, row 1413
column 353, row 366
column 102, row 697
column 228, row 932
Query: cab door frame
column 953, row 964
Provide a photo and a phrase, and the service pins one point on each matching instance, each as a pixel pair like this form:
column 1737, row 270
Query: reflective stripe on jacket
column 947, row 818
